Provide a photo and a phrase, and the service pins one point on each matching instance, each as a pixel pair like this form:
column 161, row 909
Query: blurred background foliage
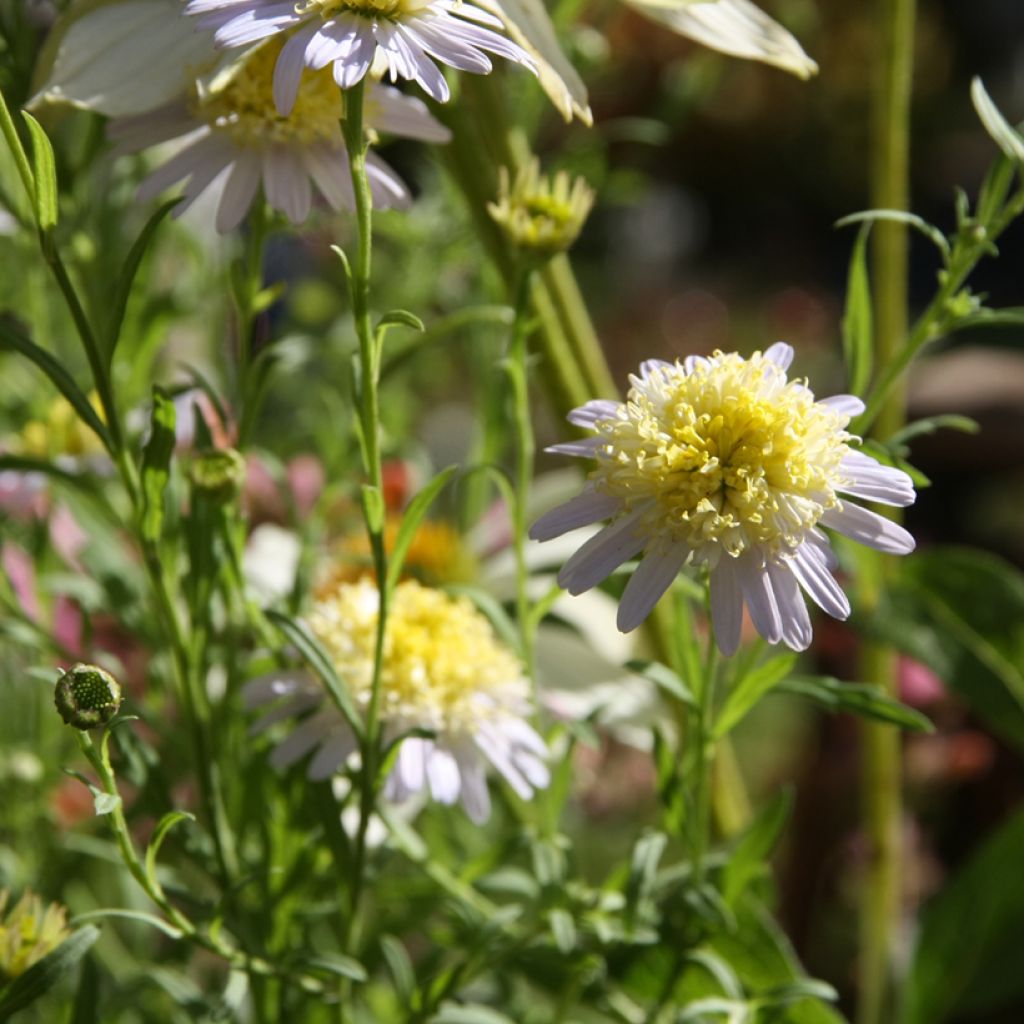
column 719, row 183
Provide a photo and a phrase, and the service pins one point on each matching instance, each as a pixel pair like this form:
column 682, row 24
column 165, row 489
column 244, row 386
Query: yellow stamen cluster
column 240, row 101
column 437, row 555
column 390, row 9
column 28, row 932
column 541, row 214
column 443, row 666
column 730, row 456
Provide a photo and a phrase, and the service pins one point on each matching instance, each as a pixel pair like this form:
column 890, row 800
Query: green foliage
column 968, row 959
column 44, row 974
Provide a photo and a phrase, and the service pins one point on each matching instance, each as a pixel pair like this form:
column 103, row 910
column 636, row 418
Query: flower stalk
column 882, row 776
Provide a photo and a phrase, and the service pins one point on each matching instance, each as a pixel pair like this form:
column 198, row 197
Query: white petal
column 867, row 527
column 181, row 165
column 328, row 167
column 387, row 190
column 392, row 112
column 819, row 583
column 796, row 623
column 726, row 605
column 780, row 354
column 848, row 405
column 291, row 62
column 331, row 756
column 289, row 708
column 495, row 748
column 306, row 736
column 652, row 578
column 586, row 508
column 475, row 798
column 875, row 482
column 760, row 599
column 274, row 685
column 585, row 448
column 443, row 776
column 602, row 555
column 286, row 183
column 596, row 409
column 239, row 192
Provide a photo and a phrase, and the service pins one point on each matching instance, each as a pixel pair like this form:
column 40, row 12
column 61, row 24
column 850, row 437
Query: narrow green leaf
column 43, row 975
column 1005, row 137
column 664, row 678
column 750, row 852
column 932, row 233
column 45, row 169
column 10, row 134
column 858, row 319
column 399, row 967
column 400, row 318
column 411, row 520
column 156, row 464
column 928, row 426
column 166, row 823
column 13, row 340
column 131, row 915
column 314, row 654
column 335, row 963
column 126, row 277
column 27, row 464
column 469, row 1013
column 563, row 929
column 862, row 699
column 643, row 869
column 720, row 970
column 749, row 690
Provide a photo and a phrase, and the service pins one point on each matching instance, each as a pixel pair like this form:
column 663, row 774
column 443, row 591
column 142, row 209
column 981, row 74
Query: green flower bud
column 218, row 472
column 87, row 697
column 541, row 216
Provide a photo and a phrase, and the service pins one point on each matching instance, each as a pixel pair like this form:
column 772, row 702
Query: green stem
column 881, row 782
column 99, row 758
column 524, row 454
column 704, row 755
column 370, row 364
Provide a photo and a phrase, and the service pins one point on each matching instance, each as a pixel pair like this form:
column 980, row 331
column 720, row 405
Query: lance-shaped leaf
column 1004, row 136
column 736, row 27
column 529, row 24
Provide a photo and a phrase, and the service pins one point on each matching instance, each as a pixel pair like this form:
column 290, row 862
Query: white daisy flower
column 721, row 462
column 236, row 140
column 402, row 37
column 444, row 671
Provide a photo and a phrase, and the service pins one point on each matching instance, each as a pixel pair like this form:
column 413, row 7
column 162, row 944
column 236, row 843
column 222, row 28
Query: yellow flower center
column 391, row 9
column 240, row 101
column 443, row 666
column 61, row 432
column 730, row 456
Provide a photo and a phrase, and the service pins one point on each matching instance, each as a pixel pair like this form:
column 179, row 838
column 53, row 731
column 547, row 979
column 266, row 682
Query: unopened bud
column 538, row 214
column 219, row 472
column 87, row 697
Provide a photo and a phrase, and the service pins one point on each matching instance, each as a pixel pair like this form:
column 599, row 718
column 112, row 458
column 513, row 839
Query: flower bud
column 87, row 697
column 540, row 215
column 28, row 932
column 219, row 473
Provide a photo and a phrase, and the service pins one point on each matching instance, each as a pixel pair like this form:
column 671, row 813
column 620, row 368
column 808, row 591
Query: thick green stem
column 881, row 783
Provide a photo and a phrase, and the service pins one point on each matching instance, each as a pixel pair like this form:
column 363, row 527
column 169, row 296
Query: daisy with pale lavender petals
column 443, row 672
column 723, row 463
column 235, row 139
column 400, row 38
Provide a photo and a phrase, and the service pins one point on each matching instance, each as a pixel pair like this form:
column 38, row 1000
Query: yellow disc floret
column 729, row 456
column 240, row 101
column 390, row 9
column 443, row 666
